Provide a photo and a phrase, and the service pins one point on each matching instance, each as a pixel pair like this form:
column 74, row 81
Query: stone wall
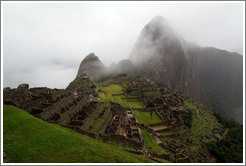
column 96, row 111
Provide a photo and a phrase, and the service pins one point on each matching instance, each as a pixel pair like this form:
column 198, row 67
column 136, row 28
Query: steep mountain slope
column 220, row 75
column 210, row 75
column 158, row 55
column 92, row 66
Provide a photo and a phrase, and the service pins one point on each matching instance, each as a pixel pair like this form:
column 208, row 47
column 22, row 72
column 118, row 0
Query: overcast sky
column 44, row 43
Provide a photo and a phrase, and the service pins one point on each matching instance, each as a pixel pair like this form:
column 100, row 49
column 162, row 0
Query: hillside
column 27, row 139
column 201, row 131
column 210, row 75
column 130, row 113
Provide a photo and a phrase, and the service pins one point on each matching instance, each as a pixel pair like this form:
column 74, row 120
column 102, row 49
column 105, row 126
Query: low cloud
column 44, row 43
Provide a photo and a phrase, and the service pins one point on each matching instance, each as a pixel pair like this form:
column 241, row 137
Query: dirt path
column 157, row 128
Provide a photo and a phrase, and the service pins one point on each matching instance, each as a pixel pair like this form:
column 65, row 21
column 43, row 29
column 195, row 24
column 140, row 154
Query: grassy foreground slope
column 27, row 139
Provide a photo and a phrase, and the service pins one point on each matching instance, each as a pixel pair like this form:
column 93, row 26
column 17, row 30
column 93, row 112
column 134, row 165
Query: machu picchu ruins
column 123, row 82
column 139, row 115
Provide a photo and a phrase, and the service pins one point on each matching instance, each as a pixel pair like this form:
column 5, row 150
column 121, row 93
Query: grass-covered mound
column 27, row 139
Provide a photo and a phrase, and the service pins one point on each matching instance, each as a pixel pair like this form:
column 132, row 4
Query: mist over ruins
column 169, row 101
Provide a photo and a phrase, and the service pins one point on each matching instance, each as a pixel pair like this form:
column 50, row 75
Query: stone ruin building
column 75, row 108
column 124, row 123
column 55, row 105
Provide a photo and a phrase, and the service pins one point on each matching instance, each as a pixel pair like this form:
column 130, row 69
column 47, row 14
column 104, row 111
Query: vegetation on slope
column 223, row 137
column 80, row 83
column 27, row 139
column 203, row 122
column 204, row 127
column 229, row 148
column 115, row 93
column 151, row 143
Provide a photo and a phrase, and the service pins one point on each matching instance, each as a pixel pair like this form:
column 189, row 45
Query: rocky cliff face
column 220, row 74
column 92, row 66
column 158, row 55
column 210, row 75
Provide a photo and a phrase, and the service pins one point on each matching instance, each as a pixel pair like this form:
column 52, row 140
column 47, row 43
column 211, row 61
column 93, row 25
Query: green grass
column 151, row 143
column 135, row 105
column 150, row 93
column 119, row 144
column 203, row 121
column 167, row 133
column 105, row 122
column 94, row 124
column 145, row 117
column 117, row 89
column 112, row 89
column 102, row 96
column 27, row 139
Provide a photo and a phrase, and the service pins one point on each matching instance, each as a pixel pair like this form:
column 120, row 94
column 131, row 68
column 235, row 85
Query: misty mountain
column 123, row 66
column 158, row 55
column 92, row 66
column 209, row 75
column 220, row 75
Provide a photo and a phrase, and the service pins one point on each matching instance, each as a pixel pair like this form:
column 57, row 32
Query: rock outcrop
column 158, row 55
column 210, row 75
column 92, row 66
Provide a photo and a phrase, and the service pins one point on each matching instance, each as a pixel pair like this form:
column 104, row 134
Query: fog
column 44, row 43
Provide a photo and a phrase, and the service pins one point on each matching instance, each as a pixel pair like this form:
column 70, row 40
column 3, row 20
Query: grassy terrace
column 145, row 117
column 94, row 124
column 27, row 139
column 203, row 121
column 105, row 122
column 167, row 133
column 142, row 117
column 151, row 143
column 117, row 89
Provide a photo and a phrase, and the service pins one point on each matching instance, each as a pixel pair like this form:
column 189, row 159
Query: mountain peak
column 158, row 23
column 92, row 66
column 91, row 57
column 158, row 19
column 156, row 39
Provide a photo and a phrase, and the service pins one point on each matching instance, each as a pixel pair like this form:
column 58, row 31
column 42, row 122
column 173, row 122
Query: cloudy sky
column 44, row 43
